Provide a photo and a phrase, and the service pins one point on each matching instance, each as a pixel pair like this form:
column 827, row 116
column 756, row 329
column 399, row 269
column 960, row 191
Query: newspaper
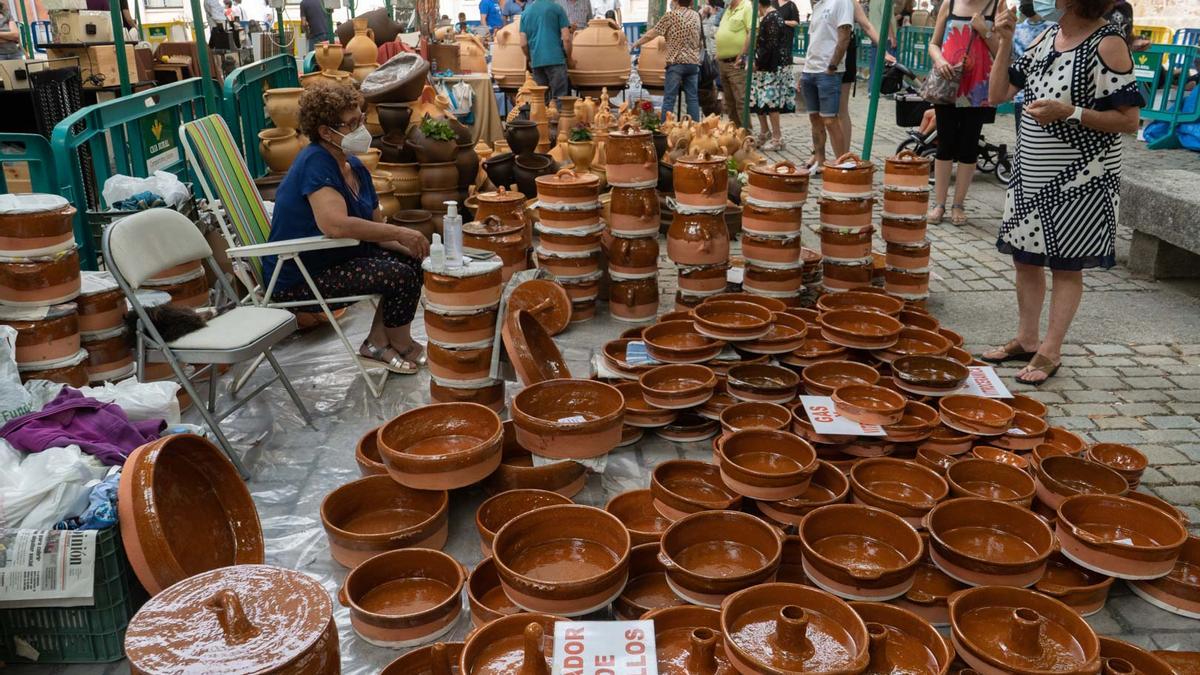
column 47, row 568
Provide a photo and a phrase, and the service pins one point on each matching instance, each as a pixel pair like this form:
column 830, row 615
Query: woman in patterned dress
column 773, row 86
column 1062, row 205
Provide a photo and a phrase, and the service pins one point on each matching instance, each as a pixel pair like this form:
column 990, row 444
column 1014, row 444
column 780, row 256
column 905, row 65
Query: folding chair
column 221, row 171
column 146, row 243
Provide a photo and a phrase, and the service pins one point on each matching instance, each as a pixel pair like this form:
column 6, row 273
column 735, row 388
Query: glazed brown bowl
column 975, row 414
column 762, row 382
column 900, row 486
column 485, row 597
column 918, row 319
column 533, row 354
column 929, row 375
column 766, row 464
column 684, row 486
column 688, row 640
column 1026, row 433
column 441, row 446
column 868, row 404
column 986, row 542
column 916, row 424
column 507, row 644
column 569, row 419
column 763, row 625
column 1000, row 456
column 1119, row 537
column 1119, row 656
column 366, row 454
column 821, row 379
column 860, row 329
column 639, row 412
column 949, row 441
column 516, row 470
column 401, row 599
column 930, row 591
column 635, row 509
column 567, row 559
column 1006, row 630
column 814, row 349
column 647, row 589
column 859, row 552
column 1177, row 592
column 435, row 659
column 827, row 486
column 754, row 415
column 1060, row 477
column 1083, row 590
column 936, row 460
column 1024, row 403
column 679, row 342
column 711, row 554
column 374, row 514
column 1042, row 451
column 1069, row 441
column 785, row 334
column 614, row 355
column 903, row 642
column 496, row 511
column 771, row 304
column 975, row 477
column 871, row 302
column 914, row 342
column 1125, row 460
column 677, row 386
column 731, row 319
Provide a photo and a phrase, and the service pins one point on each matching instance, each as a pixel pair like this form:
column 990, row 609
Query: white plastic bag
column 39, row 489
column 14, row 399
column 140, row 400
column 162, row 183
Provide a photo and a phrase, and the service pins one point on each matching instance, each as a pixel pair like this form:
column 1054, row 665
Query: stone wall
column 1173, row 13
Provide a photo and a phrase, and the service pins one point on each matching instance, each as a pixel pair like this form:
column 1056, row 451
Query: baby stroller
column 910, row 111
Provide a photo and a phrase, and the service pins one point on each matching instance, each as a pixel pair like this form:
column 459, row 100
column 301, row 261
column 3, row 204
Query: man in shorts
column 830, row 30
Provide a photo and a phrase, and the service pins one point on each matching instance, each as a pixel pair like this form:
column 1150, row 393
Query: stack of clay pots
column 102, row 307
column 698, row 238
column 280, row 144
column 569, row 237
column 905, row 204
column 502, row 227
column 846, row 223
column 461, row 307
column 403, row 174
column 771, row 212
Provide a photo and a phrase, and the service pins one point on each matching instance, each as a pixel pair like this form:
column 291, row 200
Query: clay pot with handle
column 362, row 46
column 849, row 176
column 701, row 180
column 698, row 239
column 329, row 55
column 631, row 159
column 283, row 106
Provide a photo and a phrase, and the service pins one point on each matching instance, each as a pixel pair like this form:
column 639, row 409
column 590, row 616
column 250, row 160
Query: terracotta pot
column 770, row 220
column 907, row 170
column 283, row 107
column 580, row 242
column 441, row 446
column 506, row 205
column 772, row 251
column 755, row 415
column 485, row 598
column 711, row 554
column 907, row 284
column 698, row 239
column 522, row 644
column 701, row 180
column 914, row 258
column 527, row 168
column 975, row 414
column 1177, row 592
column 634, row 211
column 1158, row 503
column 837, row 276
column 477, row 287
column 905, row 203
column 1071, row 443
column 633, row 299
column 902, row 231
column 634, row 255
column 930, row 592
column 1060, row 477
column 784, row 282
column 849, row 214
column 916, row 424
column 547, row 418
column 100, row 307
column 547, row 300
column 508, row 59
column 1079, row 588
column 949, row 441
column 762, row 382
column 401, row 599
column 439, row 658
column 362, row 46
column 1125, row 460
column 869, row 404
column 688, row 641
column 366, row 455
column 780, row 183
column 463, row 364
column 647, row 589
column 985, row 542
column 36, row 226
column 328, row 55
column 375, row 514
column 503, row 239
column 846, row 244
column 631, row 160
column 1122, row 657
column 568, row 187
column 581, row 154
column 990, row 480
column 902, row 487
column 822, row 379
column 848, row 176
column 599, row 56
column 501, row 169
column 635, row 509
column 903, row 641
column 529, row 551
column 522, row 137
column 516, row 470
column 732, row 320
column 766, row 464
column 679, row 342
column 459, row 329
column 530, row 349
column 860, row 300
column 110, row 355
column 859, row 329
column 999, row 630
column 495, row 512
column 929, row 375
column 639, row 413
column 785, row 334
column 1119, row 537
column 783, row 629
column 814, row 350
column 52, row 338
column 915, row 342
column 681, row 487
column 429, row 150
column 40, row 280
column 835, row 540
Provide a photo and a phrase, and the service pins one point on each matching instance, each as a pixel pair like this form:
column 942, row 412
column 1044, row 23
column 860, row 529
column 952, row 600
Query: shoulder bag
column 708, row 67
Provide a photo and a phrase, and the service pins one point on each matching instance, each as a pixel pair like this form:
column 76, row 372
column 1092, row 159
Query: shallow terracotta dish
column 404, row 598
column 1000, row 456
column 1119, row 537
column 366, row 454
column 531, row 350
column 1127, row 461
column 677, row 386
column 647, row 588
column 990, row 480
column 975, row 414
column 684, row 486
column 731, row 320
column 183, row 509
column 902, row 487
column 1042, row 451
column 771, row 304
column 917, row 319
column 859, row 552
column 916, row 424
column 635, row 509
column 511, row 644
column 821, row 379
column 1160, row 504
column 516, row 470
column 914, row 342
column 1069, row 441
column 375, row 514
column 496, row 511
column 1059, row 477
column 929, row 596
column 441, row 446
column 568, row 559
column 679, row 342
column 639, row 413
column 984, row 542
column 1122, row 657
column 1025, row 434
column 688, row 641
column 859, row 329
column 938, row 461
column 766, row 464
column 785, row 334
column 1011, row 630
column 903, row 642
column 762, row 382
column 712, row 554
column 929, row 375
column 1179, row 591
column 827, row 486
column 873, row 302
column 784, row 629
column 1079, row 588
column 814, row 349
column 754, row 415
column 867, row 404
column 689, row 427
column 614, row 356
column 949, row 441
column 439, row 658
column 485, row 597
column 1024, row 403
column 569, row 419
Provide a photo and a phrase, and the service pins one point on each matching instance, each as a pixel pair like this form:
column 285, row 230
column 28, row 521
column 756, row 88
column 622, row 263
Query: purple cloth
column 100, row 429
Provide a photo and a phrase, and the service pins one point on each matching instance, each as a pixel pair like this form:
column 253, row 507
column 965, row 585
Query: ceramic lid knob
column 1027, row 632
column 228, row 608
column 1117, row 667
column 702, row 658
column 878, row 635
column 792, row 628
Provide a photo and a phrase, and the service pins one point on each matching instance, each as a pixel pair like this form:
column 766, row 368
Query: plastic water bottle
column 452, row 233
column 437, row 254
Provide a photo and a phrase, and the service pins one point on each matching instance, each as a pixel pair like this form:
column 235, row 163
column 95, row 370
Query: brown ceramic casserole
column 731, row 319
column 647, row 589
column 860, row 329
column 489, row 394
column 907, row 169
column 782, row 281
column 639, row 413
column 785, row 334
column 36, row 224
column 846, row 244
column 754, row 415
column 986, row 542
column 1062, row 476
column 506, row 240
column 485, row 598
column 70, row 371
column 848, row 176
column 701, row 180
column 475, row 287
column 975, row 414
column 439, row 658
column 771, row 251
column 869, row 404
column 569, row 265
column 926, row 375
column 634, row 211
column 902, row 641
column 635, row 509
column 688, row 641
column 110, row 355
column 905, row 203
column 836, row 276
column 468, row 327
column 1119, row 537
column 401, row 599
column 903, row 231
column 1179, row 591
column 906, row 284
column 827, row 486
column 631, row 158
column 1125, row 460
column 1081, row 589
column 698, row 239
column 442, row 445
column 530, row 349
column 703, row 278
column 40, row 280
column 821, row 379
column 762, row 382
column 677, row 386
column 683, row 486
column 766, row 464
column 496, row 511
column 507, row 205
column 712, row 554
column 569, row 242
column 634, row 255
column 771, row 220
column 568, row 187
column 849, row 214
column 511, row 644
column 53, row 337
column 859, row 552
column 101, row 304
column 909, row 257
column 902, row 487
column 990, row 480
column 366, row 455
column 1119, row 656
column 366, row 517
column 781, row 182
column 568, row 418
column 679, row 342
column 916, row 424
column 633, row 299
column 459, row 365
column 516, row 470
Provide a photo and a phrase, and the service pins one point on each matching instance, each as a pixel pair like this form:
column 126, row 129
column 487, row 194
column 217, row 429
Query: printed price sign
column 825, row 419
column 983, row 381
column 604, row 648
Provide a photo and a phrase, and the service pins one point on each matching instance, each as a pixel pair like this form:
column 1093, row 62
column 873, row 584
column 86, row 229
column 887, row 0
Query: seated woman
column 328, row 192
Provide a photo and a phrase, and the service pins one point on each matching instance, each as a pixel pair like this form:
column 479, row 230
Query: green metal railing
column 1165, row 88
column 34, row 151
column 243, row 107
column 913, row 50
column 801, row 46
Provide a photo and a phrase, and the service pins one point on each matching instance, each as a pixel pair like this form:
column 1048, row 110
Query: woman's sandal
column 376, row 356
column 941, row 213
column 421, row 359
column 1013, row 351
column 1039, row 364
column 958, row 215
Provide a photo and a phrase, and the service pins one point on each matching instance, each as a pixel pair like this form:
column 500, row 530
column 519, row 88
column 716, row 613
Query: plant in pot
column 649, row 120
column 581, row 148
column 433, row 141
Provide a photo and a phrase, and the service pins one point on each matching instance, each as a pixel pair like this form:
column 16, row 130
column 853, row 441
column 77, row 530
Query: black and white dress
column 1064, row 198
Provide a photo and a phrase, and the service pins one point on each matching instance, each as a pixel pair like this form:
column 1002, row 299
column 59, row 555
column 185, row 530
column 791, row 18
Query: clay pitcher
column 747, row 155
column 329, row 55
column 600, row 56
column 472, row 57
column 362, row 46
column 704, row 142
column 585, row 110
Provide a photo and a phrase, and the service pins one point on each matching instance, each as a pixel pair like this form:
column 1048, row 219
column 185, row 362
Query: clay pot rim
column 1125, row 451
column 784, row 441
column 674, row 371
column 761, row 315
column 627, row 495
column 954, row 403
column 677, row 328
column 442, row 509
column 902, row 367
column 849, row 393
column 482, row 447
column 622, row 556
column 1054, row 590
column 469, row 586
column 519, row 415
column 1051, row 475
column 773, row 170
column 1161, row 665
column 898, row 465
column 694, row 466
column 742, row 406
column 750, row 521
column 1081, row 501
column 453, row 599
column 1018, row 511
column 843, row 364
column 662, row 613
column 1009, row 469
column 1075, row 446
column 944, row 655
column 770, row 303
column 500, row 627
column 870, row 302
column 499, row 497
column 997, row 455
column 790, row 380
column 922, row 411
column 889, row 324
column 833, row 510
column 824, row 467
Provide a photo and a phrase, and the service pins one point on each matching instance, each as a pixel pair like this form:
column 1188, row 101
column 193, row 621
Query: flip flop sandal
column 396, row 364
column 936, row 220
column 1012, row 352
column 1042, row 365
column 955, row 218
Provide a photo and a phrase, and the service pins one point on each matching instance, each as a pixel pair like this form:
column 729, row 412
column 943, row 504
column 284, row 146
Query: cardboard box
column 97, row 64
column 84, row 26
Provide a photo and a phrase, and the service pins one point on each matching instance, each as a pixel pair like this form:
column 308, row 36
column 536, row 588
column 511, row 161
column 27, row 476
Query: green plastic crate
column 93, row 634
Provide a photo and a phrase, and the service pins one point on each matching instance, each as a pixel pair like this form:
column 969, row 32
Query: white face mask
column 356, row 142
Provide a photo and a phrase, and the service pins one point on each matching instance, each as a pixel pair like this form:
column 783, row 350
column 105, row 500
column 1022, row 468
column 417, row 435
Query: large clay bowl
column 569, row 419
column 1024, row 403
column 762, row 382
column 983, row 542
column 788, row 629
column 766, row 464
column 785, row 334
column 638, row 412
column 914, row 342
column 614, row 356
column 929, row 375
column 688, row 641
column 814, row 349
column 871, row 302
column 1059, row 477
column 1025, row 434
column 677, row 386
column 1042, row 451
column 949, row 441
column 998, row 630
column 1000, row 456
column 534, row 355
column 755, row 415
column 712, row 554
column 1119, row 537
column 635, row 510
column 436, row 659
column 183, row 509
column 374, row 514
column 859, row 552
column 1081, row 589
column 1122, row 657
column 684, row 486
column 939, row 462
column 827, row 486
column 990, row 480
column 496, row 511
column 869, row 404
column 503, row 645
column 517, row 471
column 485, row 597
column 821, row 379
column 1127, row 461
column 858, row 329
column 441, row 446
column 404, row 598
column 1179, row 591
column 902, row 487
column 771, row 304
column 732, row 320
column 975, row 414
column 366, row 454
column 647, row 588
column 918, row 319
column 916, row 424
column 1069, row 441
column 569, row 560
column 902, row 642
column 679, row 342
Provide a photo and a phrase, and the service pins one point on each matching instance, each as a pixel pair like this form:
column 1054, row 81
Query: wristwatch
column 1076, row 116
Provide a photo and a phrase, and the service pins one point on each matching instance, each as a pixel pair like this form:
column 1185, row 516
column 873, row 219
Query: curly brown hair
column 1090, row 9
column 323, row 105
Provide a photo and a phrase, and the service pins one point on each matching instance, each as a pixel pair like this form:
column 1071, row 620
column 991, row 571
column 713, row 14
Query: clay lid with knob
column 784, row 169
column 546, row 300
column 568, row 177
column 501, row 195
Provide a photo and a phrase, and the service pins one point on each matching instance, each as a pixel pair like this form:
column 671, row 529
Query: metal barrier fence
column 32, row 150
column 633, row 31
column 913, row 49
column 800, row 48
column 243, row 107
column 1165, row 88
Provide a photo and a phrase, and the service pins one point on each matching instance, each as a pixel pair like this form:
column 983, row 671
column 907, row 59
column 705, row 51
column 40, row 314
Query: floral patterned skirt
column 773, row 91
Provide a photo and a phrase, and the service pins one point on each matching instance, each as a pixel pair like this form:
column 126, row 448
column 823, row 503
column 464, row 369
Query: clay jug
column 361, row 71
column 279, row 148
column 430, row 103
column 652, row 64
column 704, row 142
column 581, row 153
column 329, row 55
column 600, row 56
column 283, row 106
column 522, row 136
column 472, row 57
column 747, row 155
column 362, row 46
column 508, row 59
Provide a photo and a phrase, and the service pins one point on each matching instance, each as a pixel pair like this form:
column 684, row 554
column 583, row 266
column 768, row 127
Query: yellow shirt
column 735, row 26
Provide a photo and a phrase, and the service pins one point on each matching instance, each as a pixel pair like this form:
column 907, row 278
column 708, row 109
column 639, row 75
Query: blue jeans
column 686, row 75
column 822, row 93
